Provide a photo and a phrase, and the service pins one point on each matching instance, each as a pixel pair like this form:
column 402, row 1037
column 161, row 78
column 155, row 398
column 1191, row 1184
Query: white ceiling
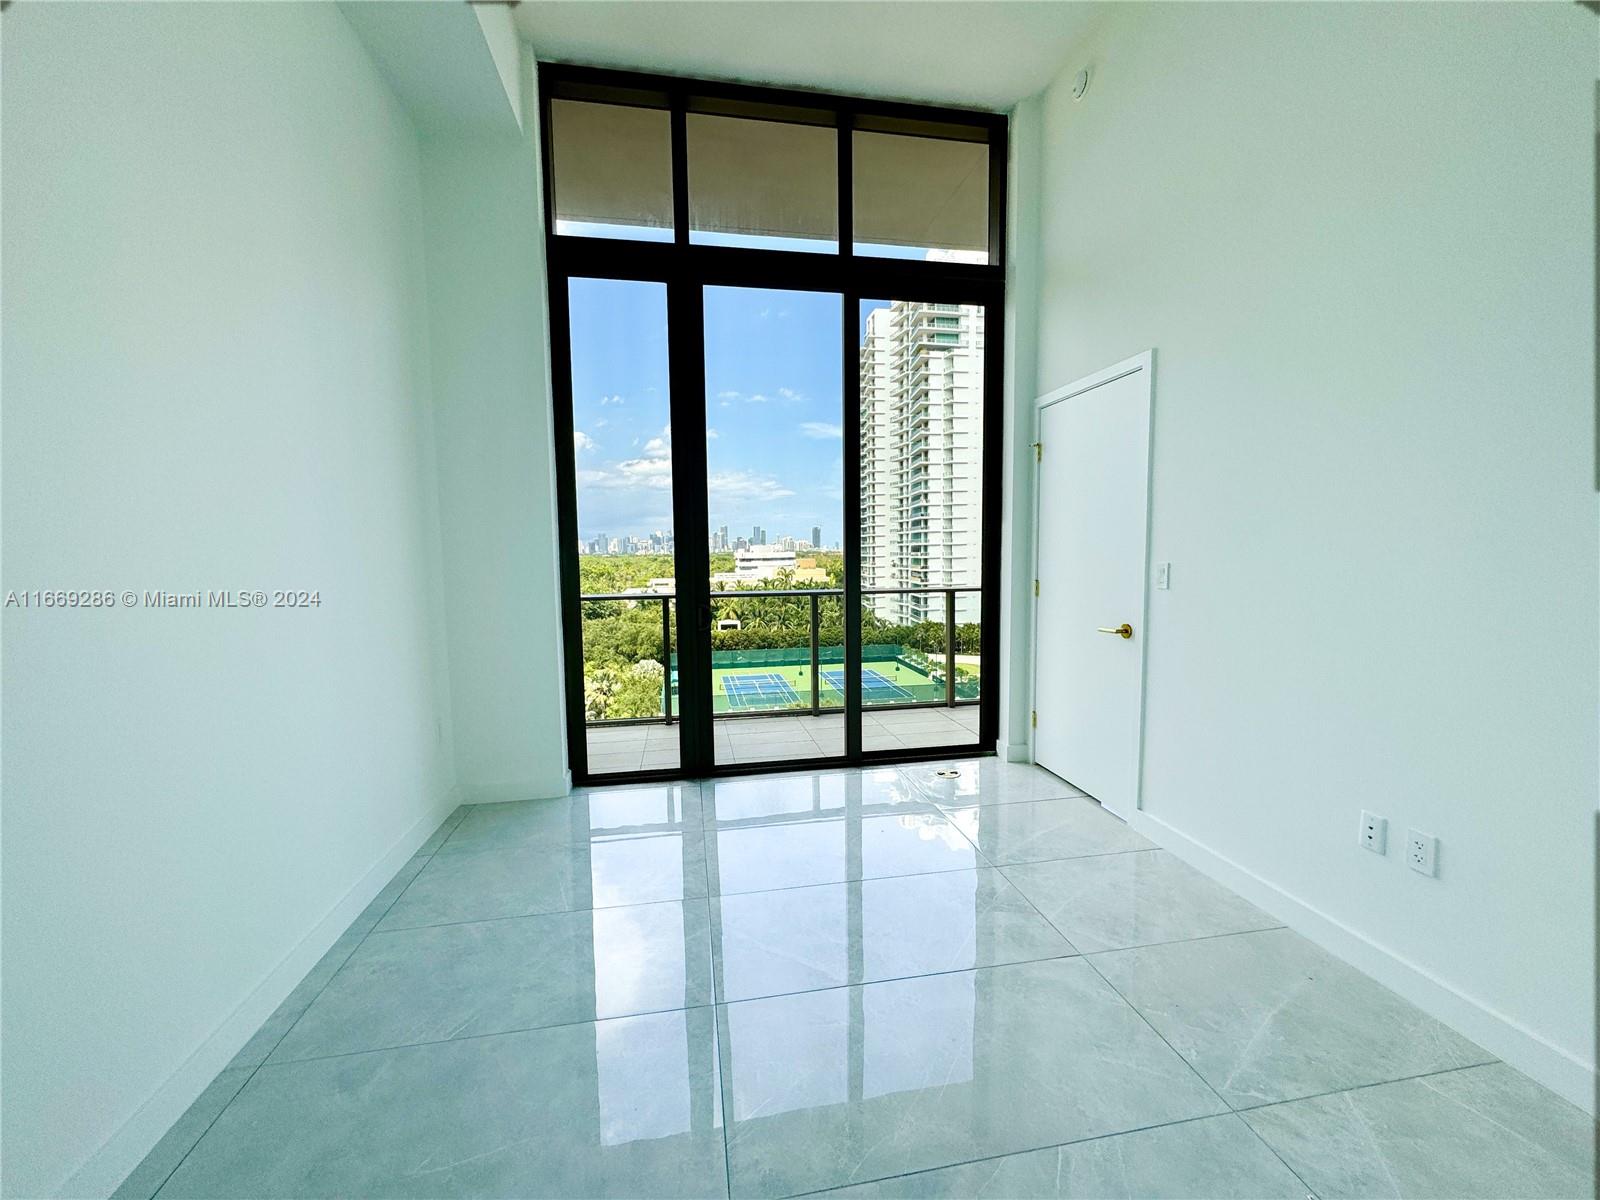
column 970, row 53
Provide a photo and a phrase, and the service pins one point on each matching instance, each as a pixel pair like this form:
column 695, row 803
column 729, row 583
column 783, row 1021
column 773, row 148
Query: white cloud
column 822, row 430
column 758, row 398
column 652, row 469
column 631, row 473
column 742, row 485
column 581, row 440
column 727, row 395
column 607, row 401
column 660, row 447
column 712, row 435
column 790, row 394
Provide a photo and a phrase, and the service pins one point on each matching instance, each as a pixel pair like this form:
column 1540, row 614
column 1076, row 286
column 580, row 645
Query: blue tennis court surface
column 875, row 688
column 758, row 691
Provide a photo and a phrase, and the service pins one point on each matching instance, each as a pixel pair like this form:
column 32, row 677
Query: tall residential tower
column 922, row 457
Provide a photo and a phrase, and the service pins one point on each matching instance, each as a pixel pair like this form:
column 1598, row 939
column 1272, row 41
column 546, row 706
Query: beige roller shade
column 613, row 166
column 917, row 191
column 768, row 178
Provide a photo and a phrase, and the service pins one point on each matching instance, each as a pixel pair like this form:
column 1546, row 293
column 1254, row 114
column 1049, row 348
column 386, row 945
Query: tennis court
column 767, row 690
column 875, row 688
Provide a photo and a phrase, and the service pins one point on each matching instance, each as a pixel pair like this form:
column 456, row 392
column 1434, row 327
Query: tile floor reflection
column 870, row 983
column 782, row 738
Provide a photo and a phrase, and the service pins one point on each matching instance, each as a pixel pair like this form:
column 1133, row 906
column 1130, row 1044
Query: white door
column 1093, row 498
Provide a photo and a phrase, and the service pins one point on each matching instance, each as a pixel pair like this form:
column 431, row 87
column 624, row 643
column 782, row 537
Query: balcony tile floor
column 864, row 983
column 620, row 748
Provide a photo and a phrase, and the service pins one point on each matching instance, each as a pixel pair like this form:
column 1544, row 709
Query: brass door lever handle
column 1122, row 631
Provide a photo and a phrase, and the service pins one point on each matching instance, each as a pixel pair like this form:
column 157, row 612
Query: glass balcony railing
column 916, row 652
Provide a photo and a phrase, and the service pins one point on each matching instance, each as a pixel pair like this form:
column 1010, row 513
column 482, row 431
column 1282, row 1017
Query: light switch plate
column 1164, row 575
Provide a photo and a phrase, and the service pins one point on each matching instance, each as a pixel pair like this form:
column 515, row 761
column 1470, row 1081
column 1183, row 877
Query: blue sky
column 774, row 410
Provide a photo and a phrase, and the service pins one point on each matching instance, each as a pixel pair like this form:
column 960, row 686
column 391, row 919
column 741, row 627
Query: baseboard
column 1013, row 751
column 1497, row 1033
column 105, row 1169
column 518, row 789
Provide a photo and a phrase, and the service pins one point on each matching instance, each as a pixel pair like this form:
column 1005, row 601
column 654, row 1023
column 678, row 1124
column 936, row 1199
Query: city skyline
column 661, row 541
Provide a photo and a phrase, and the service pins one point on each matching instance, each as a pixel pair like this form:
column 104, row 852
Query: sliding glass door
column 775, row 417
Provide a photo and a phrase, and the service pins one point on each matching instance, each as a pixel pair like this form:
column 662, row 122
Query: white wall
column 1020, row 388
column 215, row 376
column 1360, row 239
column 485, row 247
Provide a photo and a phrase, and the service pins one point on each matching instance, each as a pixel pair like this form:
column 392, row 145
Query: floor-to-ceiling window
column 776, row 415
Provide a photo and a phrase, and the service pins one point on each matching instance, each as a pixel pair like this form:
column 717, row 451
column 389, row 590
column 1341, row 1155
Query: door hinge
column 1036, row 718
column 1038, row 452
column 1035, row 587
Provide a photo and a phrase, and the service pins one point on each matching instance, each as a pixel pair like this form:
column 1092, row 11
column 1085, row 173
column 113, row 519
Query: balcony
column 778, row 675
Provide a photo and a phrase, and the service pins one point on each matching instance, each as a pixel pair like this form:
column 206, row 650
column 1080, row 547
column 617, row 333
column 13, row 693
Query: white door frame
column 1144, row 362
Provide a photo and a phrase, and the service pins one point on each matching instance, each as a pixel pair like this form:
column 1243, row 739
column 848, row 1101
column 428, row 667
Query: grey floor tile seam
column 950, row 806
column 826, row 883
column 723, row 1099
column 457, row 815
column 1216, row 937
column 718, row 895
column 478, row 1037
column 1034, row 862
column 1246, row 1109
column 1088, row 959
column 1204, row 937
column 555, row 912
column 823, row 816
column 557, row 843
column 840, row 987
column 1084, row 1141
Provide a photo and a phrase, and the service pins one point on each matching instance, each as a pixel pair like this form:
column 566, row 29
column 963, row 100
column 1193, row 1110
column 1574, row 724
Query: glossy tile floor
column 874, row 983
column 618, row 748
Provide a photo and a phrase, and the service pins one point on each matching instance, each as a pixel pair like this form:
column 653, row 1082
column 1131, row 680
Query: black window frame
column 687, row 268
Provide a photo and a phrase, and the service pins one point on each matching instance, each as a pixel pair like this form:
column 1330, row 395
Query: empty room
column 764, row 598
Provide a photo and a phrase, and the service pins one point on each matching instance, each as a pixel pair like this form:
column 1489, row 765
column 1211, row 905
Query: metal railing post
column 816, row 660
column 666, row 657
column 950, row 648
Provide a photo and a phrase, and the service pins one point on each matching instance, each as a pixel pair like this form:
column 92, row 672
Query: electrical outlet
column 1422, row 853
column 1374, row 834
